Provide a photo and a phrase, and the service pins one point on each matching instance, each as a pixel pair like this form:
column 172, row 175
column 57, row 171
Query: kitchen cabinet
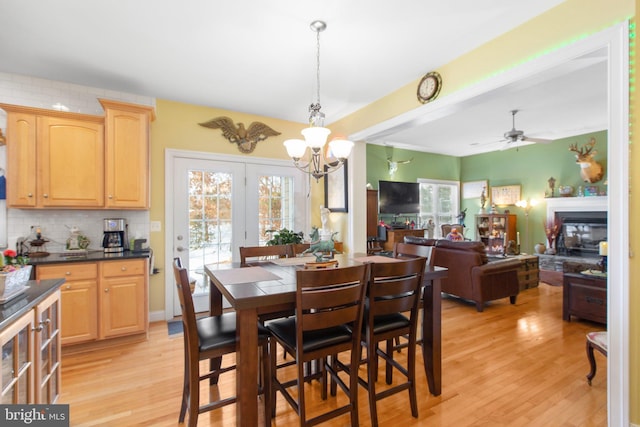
column 47, row 352
column 31, row 355
column 495, row 231
column 123, row 297
column 69, row 160
column 127, row 154
column 101, row 300
column 54, row 159
column 79, row 296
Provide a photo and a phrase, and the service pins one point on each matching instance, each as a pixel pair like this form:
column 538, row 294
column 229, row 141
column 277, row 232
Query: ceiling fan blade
column 537, row 140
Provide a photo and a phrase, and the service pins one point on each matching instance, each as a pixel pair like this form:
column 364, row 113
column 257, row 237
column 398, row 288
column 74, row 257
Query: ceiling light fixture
column 315, row 136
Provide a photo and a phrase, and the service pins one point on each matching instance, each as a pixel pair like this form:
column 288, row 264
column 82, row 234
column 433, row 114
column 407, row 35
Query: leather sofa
column 471, row 276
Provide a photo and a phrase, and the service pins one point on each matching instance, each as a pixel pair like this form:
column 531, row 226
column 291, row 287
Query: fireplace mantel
column 576, row 204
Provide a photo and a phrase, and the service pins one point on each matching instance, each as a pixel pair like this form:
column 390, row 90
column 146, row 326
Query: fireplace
column 584, row 224
column 581, row 233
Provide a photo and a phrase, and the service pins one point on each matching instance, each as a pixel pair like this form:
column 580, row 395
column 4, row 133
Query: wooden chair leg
column 185, row 386
column 194, row 397
column 266, row 385
column 372, row 375
column 592, row 362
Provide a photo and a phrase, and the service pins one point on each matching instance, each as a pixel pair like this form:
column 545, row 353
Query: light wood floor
column 508, row 366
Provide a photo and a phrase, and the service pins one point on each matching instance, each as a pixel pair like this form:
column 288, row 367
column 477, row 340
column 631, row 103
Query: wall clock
column 429, row 87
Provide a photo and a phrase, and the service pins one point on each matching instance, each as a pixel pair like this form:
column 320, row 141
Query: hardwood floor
column 508, row 366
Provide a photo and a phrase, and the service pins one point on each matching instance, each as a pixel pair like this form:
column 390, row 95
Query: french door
column 220, row 203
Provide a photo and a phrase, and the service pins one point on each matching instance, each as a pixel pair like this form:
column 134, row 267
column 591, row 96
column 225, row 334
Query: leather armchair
column 470, row 275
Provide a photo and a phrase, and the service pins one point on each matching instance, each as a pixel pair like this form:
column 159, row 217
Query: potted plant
column 284, row 237
column 15, row 272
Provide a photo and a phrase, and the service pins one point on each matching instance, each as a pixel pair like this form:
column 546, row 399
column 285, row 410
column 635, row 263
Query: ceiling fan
column 515, row 135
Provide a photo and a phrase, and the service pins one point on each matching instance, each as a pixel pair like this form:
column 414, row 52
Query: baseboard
column 156, row 316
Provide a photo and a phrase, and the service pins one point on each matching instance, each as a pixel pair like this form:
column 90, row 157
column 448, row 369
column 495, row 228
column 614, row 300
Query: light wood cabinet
column 79, row 296
column 127, row 154
column 101, row 300
column 69, row 160
column 47, row 349
column 123, row 297
column 70, row 163
column 21, row 155
column 31, row 355
column 495, row 231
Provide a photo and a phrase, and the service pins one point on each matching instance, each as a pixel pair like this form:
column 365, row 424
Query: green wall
column 423, row 165
column 529, row 166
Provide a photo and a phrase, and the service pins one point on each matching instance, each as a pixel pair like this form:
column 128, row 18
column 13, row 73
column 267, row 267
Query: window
column 275, row 205
column 439, row 202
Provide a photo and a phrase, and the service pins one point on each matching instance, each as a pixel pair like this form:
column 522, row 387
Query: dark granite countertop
column 90, row 256
column 35, row 293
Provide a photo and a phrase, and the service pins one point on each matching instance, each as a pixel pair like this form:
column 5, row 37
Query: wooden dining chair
column 211, row 337
column 408, row 250
column 248, row 253
column 327, row 302
column 299, row 248
column 394, row 289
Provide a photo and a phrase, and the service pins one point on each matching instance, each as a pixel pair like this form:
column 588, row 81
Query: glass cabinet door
column 17, row 367
column 47, row 338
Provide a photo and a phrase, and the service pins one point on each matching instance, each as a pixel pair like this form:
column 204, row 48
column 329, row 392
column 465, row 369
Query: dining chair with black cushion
column 394, row 289
column 210, row 338
column 406, row 250
column 328, row 301
column 261, row 253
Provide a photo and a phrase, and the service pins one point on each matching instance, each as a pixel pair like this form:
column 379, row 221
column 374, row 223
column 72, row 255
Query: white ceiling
column 259, row 57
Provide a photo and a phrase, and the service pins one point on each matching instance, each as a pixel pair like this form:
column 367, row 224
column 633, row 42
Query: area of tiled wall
column 48, row 94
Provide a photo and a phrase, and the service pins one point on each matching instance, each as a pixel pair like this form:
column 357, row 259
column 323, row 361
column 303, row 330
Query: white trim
column 576, row 204
column 616, row 39
column 169, row 156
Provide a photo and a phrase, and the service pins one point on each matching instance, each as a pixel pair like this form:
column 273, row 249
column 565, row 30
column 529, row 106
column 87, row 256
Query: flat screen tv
column 398, row 198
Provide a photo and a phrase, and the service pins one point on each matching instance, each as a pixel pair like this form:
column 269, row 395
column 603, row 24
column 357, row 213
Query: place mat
column 290, row 261
column 233, row 276
column 376, row 258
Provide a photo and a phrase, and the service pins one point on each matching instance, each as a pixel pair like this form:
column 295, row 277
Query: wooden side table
column 584, row 297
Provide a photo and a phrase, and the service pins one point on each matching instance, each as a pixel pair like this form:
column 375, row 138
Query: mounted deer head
column 590, row 170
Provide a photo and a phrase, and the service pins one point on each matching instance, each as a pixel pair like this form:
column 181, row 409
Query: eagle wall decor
column 245, row 138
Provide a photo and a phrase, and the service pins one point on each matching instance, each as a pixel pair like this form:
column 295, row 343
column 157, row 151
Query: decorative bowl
column 565, row 190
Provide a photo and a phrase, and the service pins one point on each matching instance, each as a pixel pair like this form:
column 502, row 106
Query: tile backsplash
column 55, row 225
column 49, row 94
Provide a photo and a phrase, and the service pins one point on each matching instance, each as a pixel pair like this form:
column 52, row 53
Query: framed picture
column 590, row 190
column 473, row 189
column 335, row 189
column 505, row 195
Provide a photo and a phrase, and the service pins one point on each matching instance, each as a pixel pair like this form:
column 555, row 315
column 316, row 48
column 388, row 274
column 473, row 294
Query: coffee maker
column 115, row 238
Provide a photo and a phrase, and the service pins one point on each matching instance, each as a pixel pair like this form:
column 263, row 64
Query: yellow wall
column 176, row 124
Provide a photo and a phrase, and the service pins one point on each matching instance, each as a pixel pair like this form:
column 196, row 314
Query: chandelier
column 315, row 136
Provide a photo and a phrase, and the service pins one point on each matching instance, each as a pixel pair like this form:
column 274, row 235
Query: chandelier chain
column 318, row 66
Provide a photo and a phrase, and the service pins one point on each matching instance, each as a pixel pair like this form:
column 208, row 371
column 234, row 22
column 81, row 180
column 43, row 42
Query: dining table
column 266, row 287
